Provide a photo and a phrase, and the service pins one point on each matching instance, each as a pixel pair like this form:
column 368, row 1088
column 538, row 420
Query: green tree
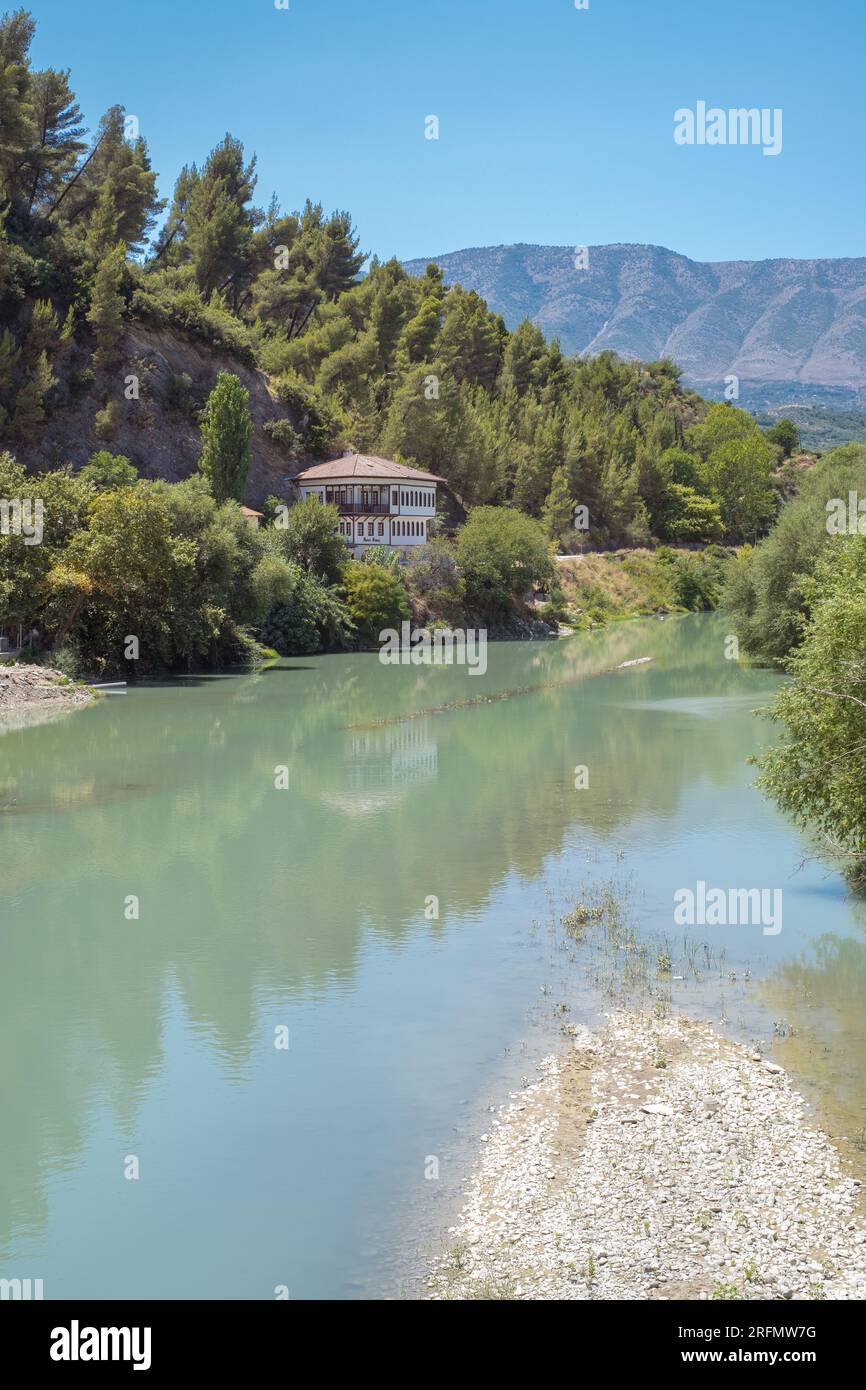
column 766, row 588
column 105, row 315
column 106, row 471
column 689, row 516
column 30, row 402
column 524, row 359
column 115, row 177
column 226, row 430
column 785, row 436
column 815, row 771
column 375, row 598
column 311, row 618
column 310, row 538
column 558, row 509
column 472, row 338
column 723, row 424
column 739, row 474
column 218, row 219
column 56, row 140
column 23, row 568
column 502, row 553
column 418, row 340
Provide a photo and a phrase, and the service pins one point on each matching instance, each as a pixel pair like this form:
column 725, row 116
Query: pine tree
column 558, row 507
column 217, row 219
column 420, row 334
column 16, row 34
column 116, row 178
column 56, row 143
column 9, row 355
column 106, row 307
column 225, row 432
column 30, row 401
column 43, row 329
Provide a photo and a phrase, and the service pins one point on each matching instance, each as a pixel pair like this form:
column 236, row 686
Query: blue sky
column 556, row 124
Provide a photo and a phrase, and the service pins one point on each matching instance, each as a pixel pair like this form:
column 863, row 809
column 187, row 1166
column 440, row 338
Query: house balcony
column 363, row 508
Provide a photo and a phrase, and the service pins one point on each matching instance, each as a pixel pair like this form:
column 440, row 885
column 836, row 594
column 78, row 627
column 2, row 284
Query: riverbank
column 657, row 1160
column 27, row 689
column 600, row 587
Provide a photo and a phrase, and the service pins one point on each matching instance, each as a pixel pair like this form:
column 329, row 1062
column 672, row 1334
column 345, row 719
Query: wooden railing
column 364, row 508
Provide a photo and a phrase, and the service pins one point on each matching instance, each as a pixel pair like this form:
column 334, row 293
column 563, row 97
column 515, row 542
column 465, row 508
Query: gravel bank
column 658, row 1160
column 25, row 688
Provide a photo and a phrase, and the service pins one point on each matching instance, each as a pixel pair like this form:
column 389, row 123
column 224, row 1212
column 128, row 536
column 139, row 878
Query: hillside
column 795, row 323
column 160, row 431
column 122, row 306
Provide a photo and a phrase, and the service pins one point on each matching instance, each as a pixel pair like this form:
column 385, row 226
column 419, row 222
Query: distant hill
column 794, row 332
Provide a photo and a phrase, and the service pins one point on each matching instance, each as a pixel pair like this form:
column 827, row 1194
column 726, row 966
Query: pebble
column 744, row 1193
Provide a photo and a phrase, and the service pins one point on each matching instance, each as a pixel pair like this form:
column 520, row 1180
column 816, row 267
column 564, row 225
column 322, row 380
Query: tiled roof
column 363, row 466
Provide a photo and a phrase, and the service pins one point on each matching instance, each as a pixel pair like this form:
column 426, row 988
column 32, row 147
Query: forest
column 548, row 453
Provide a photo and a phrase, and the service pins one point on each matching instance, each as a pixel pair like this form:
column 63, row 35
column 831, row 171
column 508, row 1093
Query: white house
column 380, row 502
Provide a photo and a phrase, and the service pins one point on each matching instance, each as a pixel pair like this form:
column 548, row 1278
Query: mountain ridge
column 781, row 321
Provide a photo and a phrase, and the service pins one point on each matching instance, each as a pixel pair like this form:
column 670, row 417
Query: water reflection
column 254, row 898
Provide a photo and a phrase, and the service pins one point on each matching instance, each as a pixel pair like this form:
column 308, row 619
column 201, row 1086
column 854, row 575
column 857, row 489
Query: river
column 273, row 945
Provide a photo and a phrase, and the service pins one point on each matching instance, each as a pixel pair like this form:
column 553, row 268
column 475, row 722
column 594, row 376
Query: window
column 381, row 528
column 395, row 497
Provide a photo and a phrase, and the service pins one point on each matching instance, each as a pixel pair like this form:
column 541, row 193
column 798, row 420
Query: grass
column 629, row 962
column 611, row 586
column 602, row 588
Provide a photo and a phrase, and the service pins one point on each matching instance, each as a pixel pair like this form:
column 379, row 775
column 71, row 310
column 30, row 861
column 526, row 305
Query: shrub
column 164, row 299
column 384, row 555
column 66, row 658
column 105, row 471
column 312, row 619
column 435, row 582
column 315, row 417
column 765, row 592
column 815, row 770
column 284, row 435
column 108, row 420
column 375, row 598
column 699, row 579
column 180, row 396
column 502, row 553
